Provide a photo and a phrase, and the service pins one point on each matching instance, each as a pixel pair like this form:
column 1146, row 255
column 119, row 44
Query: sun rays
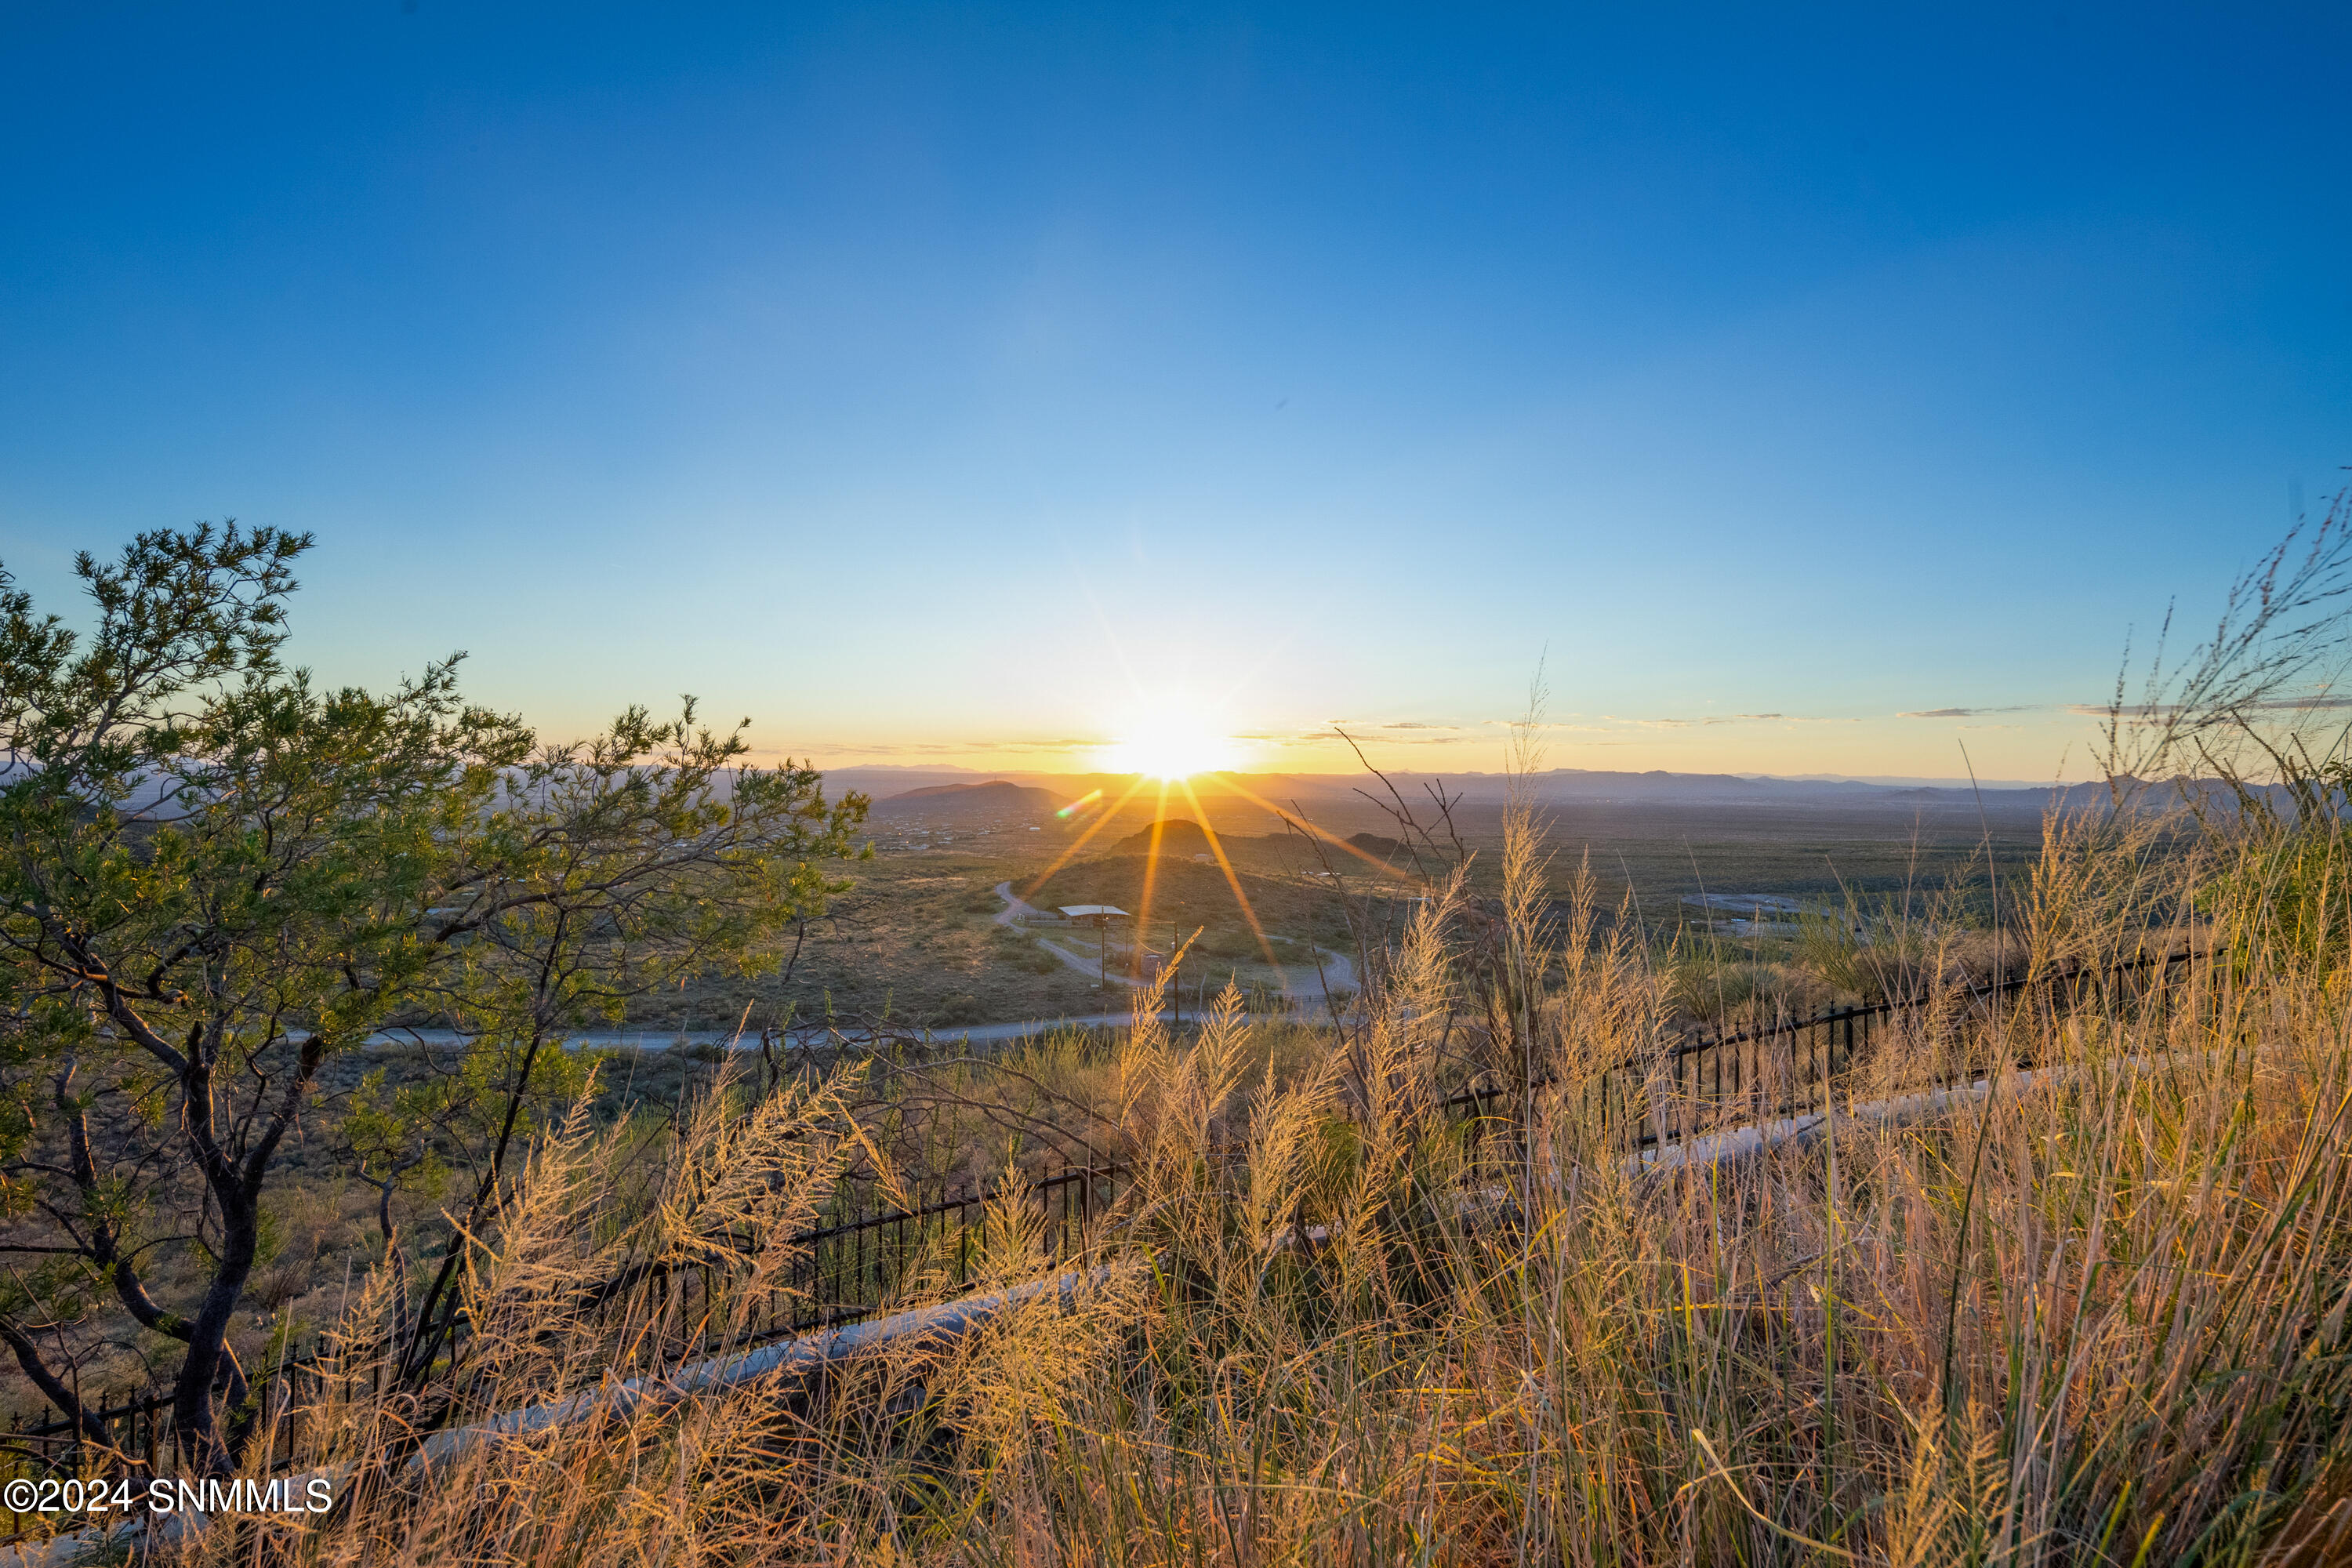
column 1217, row 848
column 1106, row 816
column 1165, row 738
column 1176, row 781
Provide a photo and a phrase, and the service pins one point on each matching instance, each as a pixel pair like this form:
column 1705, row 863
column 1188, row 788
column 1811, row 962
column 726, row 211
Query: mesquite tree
column 215, row 875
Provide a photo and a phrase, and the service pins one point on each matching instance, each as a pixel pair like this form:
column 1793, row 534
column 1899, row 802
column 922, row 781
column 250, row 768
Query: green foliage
column 214, row 875
column 963, row 1008
column 1017, row 950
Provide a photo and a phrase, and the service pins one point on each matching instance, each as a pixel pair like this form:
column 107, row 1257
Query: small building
column 1096, row 915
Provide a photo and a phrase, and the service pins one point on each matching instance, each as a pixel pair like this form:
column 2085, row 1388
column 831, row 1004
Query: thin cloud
column 1966, row 712
column 1385, row 732
column 1794, row 719
column 1378, row 732
column 1731, row 719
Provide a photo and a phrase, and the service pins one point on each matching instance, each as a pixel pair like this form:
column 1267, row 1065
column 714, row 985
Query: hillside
column 1177, row 836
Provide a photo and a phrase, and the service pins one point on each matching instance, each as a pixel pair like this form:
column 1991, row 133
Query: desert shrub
column 1228, row 944
column 282, row 1280
column 1702, row 981
column 963, row 1008
column 1018, row 950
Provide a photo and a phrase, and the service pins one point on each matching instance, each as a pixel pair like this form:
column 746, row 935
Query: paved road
column 667, row 1039
column 1014, row 908
column 1303, row 991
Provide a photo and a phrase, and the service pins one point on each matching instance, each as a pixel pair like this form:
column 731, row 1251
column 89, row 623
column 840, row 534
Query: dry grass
column 2098, row 1317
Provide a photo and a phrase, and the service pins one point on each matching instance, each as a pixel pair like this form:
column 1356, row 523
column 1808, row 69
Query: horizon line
column 1882, row 781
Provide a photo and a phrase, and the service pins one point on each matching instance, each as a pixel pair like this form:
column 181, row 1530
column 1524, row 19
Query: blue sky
column 962, row 383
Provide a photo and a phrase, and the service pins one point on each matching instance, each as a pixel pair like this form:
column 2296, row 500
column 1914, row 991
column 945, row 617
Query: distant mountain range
column 995, row 798
column 933, row 789
column 1559, row 785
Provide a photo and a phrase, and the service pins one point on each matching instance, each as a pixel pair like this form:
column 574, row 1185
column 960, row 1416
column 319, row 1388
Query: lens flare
column 1080, row 805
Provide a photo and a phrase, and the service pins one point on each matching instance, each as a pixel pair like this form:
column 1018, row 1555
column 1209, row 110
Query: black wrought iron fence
column 1700, row 1083
column 859, row 1264
column 131, row 1444
column 1790, row 1067
column 850, row 1270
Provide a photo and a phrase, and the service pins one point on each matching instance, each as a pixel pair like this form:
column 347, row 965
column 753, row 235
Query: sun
column 1170, row 746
